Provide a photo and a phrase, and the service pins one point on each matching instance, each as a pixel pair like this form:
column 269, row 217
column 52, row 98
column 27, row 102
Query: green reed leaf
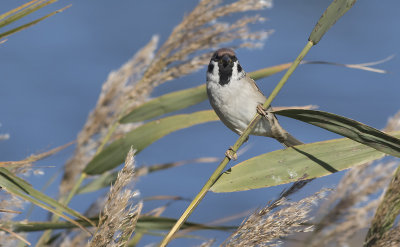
column 296, row 163
column 333, row 13
column 184, row 98
column 22, row 27
column 167, row 103
column 144, row 223
column 352, row 129
column 21, row 188
column 114, row 154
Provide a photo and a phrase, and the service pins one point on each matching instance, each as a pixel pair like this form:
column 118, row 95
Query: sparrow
column 236, row 98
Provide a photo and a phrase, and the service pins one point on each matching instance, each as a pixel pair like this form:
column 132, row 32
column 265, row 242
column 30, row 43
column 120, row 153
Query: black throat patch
column 225, row 58
column 225, row 74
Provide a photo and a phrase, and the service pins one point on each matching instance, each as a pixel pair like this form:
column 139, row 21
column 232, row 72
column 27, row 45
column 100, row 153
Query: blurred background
column 52, row 73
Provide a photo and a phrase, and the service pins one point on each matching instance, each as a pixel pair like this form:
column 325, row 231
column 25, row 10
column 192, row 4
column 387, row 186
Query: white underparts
column 236, row 102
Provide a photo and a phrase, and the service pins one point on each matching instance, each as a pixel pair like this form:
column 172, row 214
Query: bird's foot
column 261, row 110
column 231, row 154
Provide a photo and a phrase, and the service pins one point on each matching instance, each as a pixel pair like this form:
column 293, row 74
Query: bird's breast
column 235, row 103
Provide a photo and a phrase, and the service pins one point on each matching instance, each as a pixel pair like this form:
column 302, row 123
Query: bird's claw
column 231, row 154
column 261, row 110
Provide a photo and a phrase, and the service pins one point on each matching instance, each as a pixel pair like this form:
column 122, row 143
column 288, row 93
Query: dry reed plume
column 185, row 51
column 9, row 204
column 390, row 239
column 108, row 107
column 4, row 137
column 268, row 226
column 118, row 219
column 349, row 210
column 345, row 213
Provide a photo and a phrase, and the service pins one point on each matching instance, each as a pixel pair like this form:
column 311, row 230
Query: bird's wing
column 261, row 97
column 253, row 83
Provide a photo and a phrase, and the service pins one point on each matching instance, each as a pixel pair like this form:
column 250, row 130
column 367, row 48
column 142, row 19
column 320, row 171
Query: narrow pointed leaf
column 33, row 226
column 108, row 178
column 163, row 223
column 167, row 103
column 265, row 72
column 114, row 154
column 333, row 13
column 21, row 188
column 297, row 163
column 104, row 180
column 15, row 10
column 20, row 28
column 347, row 127
column 144, row 223
column 22, row 11
column 184, row 98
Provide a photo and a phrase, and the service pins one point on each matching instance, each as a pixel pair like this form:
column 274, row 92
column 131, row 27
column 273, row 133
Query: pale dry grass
column 384, row 220
column 118, row 218
column 9, row 204
column 4, row 137
column 185, row 51
column 208, row 243
column 393, row 123
column 109, row 105
column 268, row 226
column 390, row 239
column 345, row 213
column 349, row 210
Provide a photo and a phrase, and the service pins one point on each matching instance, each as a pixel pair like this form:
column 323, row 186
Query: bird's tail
column 281, row 134
column 290, row 141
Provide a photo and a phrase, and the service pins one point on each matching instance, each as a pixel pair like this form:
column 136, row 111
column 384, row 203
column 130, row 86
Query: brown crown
column 225, row 51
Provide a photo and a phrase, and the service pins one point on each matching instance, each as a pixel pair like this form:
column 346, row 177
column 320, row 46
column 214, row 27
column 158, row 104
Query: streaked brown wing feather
column 253, row 84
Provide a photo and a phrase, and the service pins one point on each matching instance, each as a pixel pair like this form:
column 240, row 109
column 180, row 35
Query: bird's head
column 224, row 66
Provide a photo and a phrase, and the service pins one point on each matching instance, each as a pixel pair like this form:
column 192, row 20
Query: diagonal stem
column 189, row 210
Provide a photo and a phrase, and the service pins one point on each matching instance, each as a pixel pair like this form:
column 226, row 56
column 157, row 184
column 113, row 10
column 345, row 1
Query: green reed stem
column 189, row 210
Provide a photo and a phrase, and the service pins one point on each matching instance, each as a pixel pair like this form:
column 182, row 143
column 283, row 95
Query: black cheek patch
column 239, row 68
column 210, row 68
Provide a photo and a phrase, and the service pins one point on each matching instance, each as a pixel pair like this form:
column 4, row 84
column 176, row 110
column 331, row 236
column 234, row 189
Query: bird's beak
column 225, row 60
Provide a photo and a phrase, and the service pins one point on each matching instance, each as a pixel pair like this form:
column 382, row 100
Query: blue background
column 51, row 76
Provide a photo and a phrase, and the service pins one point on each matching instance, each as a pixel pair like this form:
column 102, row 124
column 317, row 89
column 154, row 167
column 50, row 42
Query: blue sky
column 51, row 76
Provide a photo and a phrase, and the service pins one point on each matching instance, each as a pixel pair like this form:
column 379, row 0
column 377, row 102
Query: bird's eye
column 210, row 68
column 214, row 57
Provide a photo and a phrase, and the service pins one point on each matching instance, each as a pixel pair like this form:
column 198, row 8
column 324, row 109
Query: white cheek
column 235, row 74
column 234, row 71
column 214, row 76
